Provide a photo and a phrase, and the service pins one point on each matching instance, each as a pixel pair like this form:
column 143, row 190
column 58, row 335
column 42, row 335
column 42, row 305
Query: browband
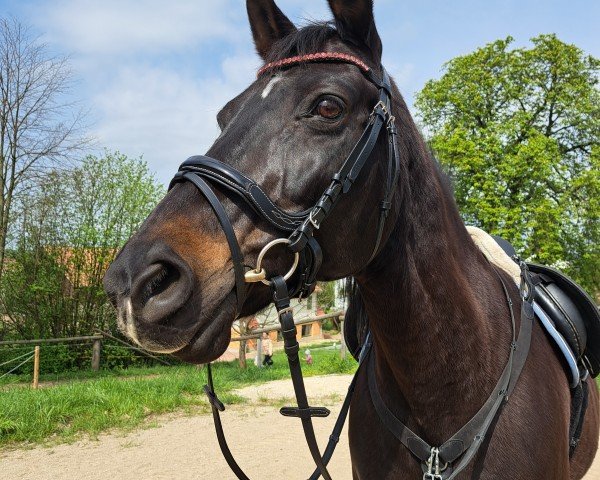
column 314, row 57
column 320, row 57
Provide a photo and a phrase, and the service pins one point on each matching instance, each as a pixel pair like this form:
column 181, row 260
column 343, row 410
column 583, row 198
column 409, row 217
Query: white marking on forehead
column 270, row 86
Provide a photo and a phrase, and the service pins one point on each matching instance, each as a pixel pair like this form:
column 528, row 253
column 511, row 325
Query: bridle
column 299, row 226
column 205, row 173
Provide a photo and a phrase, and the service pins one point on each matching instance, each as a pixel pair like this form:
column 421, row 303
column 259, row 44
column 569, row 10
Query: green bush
column 63, row 358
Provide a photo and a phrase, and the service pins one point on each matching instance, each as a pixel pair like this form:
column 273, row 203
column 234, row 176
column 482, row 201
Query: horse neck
column 436, row 311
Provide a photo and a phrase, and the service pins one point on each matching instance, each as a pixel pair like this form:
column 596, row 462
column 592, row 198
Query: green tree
column 326, row 297
column 518, row 129
column 69, row 231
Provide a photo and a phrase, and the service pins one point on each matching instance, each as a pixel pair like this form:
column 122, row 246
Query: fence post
column 96, row 348
column 36, row 366
column 259, row 358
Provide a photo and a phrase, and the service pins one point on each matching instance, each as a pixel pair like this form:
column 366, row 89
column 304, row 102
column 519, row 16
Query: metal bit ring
column 259, row 274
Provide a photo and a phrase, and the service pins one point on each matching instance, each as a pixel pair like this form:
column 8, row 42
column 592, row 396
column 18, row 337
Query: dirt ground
column 266, row 445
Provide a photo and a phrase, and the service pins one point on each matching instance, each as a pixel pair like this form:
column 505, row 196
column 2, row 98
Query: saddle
column 565, row 308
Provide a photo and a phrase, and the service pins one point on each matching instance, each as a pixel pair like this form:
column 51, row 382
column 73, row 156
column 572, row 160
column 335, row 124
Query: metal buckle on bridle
column 434, row 471
column 259, row 274
column 379, row 105
column 526, row 288
column 285, row 310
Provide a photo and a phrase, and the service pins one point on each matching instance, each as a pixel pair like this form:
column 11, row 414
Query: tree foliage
column 519, row 132
column 326, row 297
column 69, row 231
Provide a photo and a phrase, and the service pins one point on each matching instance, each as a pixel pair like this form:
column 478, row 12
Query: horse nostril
column 160, row 290
column 161, row 278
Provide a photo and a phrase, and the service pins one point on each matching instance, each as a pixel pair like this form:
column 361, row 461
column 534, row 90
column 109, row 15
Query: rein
column 205, row 173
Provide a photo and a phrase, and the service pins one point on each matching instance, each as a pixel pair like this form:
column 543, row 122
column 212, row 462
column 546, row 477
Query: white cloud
column 136, row 61
column 165, row 115
column 128, row 26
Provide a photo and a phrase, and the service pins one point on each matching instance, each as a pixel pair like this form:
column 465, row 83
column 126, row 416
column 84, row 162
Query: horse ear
column 268, row 24
column 355, row 23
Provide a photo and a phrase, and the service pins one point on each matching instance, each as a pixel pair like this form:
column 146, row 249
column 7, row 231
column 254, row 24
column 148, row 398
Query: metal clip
column 252, row 276
column 434, row 471
column 526, row 288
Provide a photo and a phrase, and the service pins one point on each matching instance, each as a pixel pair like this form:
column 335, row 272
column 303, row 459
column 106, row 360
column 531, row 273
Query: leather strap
column 291, row 347
column 470, row 437
column 391, row 179
column 342, row 181
column 303, row 411
column 216, row 407
column 236, row 182
column 236, row 254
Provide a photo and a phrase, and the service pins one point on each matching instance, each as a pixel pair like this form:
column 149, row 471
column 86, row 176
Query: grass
column 127, row 399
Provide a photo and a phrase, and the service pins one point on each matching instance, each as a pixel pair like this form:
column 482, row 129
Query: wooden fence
column 97, row 340
column 94, row 340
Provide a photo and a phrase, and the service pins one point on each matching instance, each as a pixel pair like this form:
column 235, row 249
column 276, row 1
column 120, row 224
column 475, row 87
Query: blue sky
column 154, row 73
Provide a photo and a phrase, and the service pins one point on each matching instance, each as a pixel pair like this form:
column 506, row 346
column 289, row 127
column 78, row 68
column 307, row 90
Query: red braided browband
column 315, row 57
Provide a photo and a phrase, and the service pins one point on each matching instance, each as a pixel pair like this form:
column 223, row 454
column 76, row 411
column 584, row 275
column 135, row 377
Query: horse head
column 173, row 283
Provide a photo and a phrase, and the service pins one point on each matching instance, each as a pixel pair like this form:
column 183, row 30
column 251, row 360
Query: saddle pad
column 495, row 250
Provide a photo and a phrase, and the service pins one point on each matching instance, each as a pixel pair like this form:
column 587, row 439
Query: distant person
column 267, row 348
column 308, row 357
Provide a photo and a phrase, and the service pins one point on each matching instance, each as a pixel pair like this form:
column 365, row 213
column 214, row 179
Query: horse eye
column 328, row 108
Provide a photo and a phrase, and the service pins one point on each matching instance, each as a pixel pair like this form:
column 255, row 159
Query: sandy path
column 185, row 448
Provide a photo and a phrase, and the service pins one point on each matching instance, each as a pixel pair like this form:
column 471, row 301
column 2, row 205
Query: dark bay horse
column 439, row 318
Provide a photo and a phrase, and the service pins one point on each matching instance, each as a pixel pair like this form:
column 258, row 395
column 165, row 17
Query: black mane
column 308, row 39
